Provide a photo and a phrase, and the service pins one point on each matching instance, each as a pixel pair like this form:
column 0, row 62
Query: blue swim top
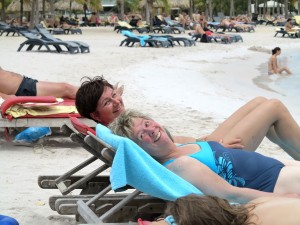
column 239, row 168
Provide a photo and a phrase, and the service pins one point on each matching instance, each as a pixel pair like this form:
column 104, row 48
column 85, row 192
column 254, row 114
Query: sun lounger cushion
column 133, row 166
column 38, row 106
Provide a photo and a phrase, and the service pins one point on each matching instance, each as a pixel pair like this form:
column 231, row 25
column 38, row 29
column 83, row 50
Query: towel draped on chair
column 133, row 166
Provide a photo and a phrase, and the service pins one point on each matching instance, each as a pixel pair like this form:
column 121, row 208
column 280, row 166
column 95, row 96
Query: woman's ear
column 95, row 116
column 119, row 89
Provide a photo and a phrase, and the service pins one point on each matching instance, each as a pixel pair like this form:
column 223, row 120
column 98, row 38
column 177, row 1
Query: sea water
column 288, row 85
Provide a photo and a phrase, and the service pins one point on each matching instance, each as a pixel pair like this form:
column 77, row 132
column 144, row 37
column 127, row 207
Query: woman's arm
column 234, row 143
column 210, row 183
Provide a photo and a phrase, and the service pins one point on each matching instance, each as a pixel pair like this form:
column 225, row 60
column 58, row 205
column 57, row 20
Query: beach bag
column 32, row 134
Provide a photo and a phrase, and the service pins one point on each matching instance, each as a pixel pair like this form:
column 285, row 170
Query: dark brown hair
column 89, row 93
column 275, row 50
column 208, row 210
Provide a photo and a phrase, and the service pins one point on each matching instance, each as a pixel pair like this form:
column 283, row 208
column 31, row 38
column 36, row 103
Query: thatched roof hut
column 65, row 5
column 172, row 4
column 15, row 6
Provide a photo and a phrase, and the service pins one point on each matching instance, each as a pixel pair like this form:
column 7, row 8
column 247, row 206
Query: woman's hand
column 234, row 143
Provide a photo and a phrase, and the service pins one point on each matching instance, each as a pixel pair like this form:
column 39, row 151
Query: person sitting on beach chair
column 196, row 209
column 290, row 28
column 238, row 176
column 100, row 101
column 205, row 32
column 14, row 84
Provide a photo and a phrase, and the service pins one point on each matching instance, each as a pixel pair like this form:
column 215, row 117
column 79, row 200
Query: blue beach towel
column 142, row 39
column 133, row 166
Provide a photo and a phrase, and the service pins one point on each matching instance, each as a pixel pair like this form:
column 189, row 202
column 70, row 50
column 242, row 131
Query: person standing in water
column 273, row 67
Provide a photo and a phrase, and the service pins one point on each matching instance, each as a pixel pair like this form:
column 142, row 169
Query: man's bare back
column 9, row 82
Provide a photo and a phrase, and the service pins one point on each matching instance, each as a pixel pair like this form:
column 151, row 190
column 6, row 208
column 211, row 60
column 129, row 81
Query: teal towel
column 142, row 39
column 133, row 166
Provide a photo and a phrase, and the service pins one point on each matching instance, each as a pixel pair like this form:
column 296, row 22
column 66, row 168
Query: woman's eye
column 107, row 103
column 147, row 123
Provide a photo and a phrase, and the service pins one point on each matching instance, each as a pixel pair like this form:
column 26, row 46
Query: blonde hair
column 123, row 124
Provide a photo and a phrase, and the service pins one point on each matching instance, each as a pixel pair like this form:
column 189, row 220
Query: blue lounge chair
column 33, row 41
column 6, row 28
column 47, row 36
column 155, row 41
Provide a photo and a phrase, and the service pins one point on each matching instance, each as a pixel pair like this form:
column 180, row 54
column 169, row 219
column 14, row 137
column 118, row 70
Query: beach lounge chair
column 6, row 28
column 123, row 207
column 132, row 39
column 283, row 32
column 47, row 36
column 176, row 27
column 37, row 111
column 187, row 42
column 211, row 38
column 133, row 166
column 122, row 25
column 46, row 45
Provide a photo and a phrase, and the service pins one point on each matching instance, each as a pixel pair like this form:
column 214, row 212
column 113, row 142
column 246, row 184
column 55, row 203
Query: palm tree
column 2, row 11
column 231, row 8
column 286, row 8
column 149, row 9
column 122, row 6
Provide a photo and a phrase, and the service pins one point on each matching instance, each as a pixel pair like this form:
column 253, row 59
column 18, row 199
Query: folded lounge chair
column 47, row 36
column 46, row 45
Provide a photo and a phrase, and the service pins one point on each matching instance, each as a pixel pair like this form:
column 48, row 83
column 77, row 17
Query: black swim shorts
column 27, row 87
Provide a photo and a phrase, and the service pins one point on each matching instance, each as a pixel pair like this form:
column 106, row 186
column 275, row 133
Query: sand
column 189, row 89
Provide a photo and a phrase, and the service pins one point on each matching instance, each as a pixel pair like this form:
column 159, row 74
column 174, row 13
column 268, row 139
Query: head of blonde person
column 143, row 130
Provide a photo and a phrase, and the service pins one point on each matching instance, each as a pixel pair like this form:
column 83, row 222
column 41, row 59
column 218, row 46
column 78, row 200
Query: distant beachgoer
column 14, row 84
column 273, row 67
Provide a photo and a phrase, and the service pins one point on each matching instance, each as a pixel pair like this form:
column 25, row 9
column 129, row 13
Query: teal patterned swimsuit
column 240, row 168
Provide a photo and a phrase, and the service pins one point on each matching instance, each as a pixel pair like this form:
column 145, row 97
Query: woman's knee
column 275, row 105
column 258, row 100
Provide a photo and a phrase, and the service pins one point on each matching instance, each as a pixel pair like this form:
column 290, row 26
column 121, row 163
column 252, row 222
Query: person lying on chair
column 100, row 101
column 14, row 84
column 238, row 176
column 211, row 210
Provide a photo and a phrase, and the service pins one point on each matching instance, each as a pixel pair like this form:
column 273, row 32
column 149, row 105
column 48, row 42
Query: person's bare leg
column 61, row 90
column 253, row 128
column 235, row 118
column 284, row 69
column 234, row 121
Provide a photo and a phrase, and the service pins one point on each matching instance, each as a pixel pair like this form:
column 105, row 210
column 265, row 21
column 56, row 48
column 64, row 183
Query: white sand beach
column 189, row 89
